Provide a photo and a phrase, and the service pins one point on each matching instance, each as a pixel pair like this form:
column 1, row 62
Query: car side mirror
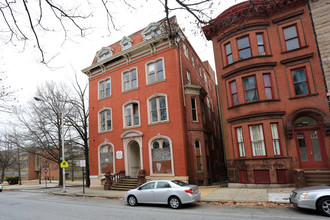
column 139, row 188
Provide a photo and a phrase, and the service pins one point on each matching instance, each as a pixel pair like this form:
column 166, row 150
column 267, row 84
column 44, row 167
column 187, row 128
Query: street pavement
column 208, row 193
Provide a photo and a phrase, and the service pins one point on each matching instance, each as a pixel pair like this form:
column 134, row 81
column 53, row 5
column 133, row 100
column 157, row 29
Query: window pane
column 260, row 39
column 166, row 144
column 102, row 121
column 108, row 119
column 261, row 50
column 290, row 32
column 228, row 49
column 155, row 145
column 163, row 115
column 249, row 83
column 230, row 59
column 160, row 72
column 301, row 88
column 269, row 94
column 257, row 140
column 302, row 146
column 136, row 114
column 243, row 43
column 162, row 103
column 292, row 44
column 133, row 74
column 267, row 80
column 153, row 103
column 235, row 99
column 315, row 146
column 151, row 72
column 108, row 88
column 251, row 95
column 129, row 115
column 298, row 75
column 193, row 103
column 233, row 87
column 246, row 53
column 154, row 116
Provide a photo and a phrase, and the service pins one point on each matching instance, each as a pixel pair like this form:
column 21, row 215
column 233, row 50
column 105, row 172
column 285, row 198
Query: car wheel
column 174, row 202
column 132, row 201
column 323, row 205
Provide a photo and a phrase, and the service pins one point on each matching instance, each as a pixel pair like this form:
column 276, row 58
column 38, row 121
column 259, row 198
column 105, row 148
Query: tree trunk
column 2, row 174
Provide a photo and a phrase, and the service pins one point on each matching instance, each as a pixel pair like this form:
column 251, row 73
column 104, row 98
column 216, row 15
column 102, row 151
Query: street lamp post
column 62, row 137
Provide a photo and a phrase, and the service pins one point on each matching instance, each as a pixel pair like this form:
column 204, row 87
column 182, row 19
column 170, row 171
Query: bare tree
column 7, row 154
column 36, row 20
column 79, row 120
column 42, row 123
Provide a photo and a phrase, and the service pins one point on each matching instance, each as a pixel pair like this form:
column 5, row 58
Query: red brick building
column 272, row 93
column 153, row 107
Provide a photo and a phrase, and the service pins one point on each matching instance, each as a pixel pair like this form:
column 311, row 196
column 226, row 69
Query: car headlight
column 303, row 195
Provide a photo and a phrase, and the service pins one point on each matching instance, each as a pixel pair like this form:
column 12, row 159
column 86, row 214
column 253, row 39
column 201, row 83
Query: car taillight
column 189, row 191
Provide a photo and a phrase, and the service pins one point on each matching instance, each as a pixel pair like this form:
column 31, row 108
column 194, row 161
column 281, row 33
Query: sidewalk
column 208, row 193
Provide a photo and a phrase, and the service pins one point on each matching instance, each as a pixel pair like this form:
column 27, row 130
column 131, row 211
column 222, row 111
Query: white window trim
column 98, row 88
column 99, row 120
column 188, row 77
column 150, row 155
column 122, row 79
column 149, row 108
column 123, row 43
column 185, row 50
column 111, row 50
column 124, row 114
column 147, row 73
column 98, row 156
column 147, row 31
column 196, row 108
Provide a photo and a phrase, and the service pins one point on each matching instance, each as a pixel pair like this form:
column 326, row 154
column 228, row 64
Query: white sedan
column 171, row 192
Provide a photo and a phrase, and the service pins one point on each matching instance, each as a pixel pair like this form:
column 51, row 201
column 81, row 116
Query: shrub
column 12, row 180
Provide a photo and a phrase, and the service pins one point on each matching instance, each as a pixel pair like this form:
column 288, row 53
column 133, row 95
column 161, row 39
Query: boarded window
column 281, row 176
column 261, row 177
column 243, row 176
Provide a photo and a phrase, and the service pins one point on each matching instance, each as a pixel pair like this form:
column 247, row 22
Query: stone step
column 317, row 177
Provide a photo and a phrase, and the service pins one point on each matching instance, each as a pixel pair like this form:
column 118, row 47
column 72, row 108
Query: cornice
column 249, row 68
column 145, row 45
column 294, row 59
column 256, row 117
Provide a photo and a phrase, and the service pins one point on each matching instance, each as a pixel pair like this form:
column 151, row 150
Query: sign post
column 46, row 171
column 82, row 165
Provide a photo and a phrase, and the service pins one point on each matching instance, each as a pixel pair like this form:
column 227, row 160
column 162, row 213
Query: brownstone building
column 273, row 97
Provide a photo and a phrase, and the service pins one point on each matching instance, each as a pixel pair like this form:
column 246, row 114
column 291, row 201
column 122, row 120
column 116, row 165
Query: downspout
column 318, row 51
column 181, row 73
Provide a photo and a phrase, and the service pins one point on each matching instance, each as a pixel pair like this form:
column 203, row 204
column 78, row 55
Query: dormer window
column 151, row 31
column 104, row 53
column 126, row 43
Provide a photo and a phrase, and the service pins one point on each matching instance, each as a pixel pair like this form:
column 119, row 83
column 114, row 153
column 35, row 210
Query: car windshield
column 180, row 183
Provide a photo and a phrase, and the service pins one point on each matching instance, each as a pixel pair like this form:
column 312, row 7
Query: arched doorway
column 134, row 162
column 308, row 134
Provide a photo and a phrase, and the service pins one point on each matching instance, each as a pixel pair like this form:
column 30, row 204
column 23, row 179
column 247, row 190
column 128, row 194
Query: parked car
column 314, row 197
column 1, row 187
column 171, row 192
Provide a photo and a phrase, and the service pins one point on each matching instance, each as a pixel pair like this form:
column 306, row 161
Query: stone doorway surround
column 128, row 137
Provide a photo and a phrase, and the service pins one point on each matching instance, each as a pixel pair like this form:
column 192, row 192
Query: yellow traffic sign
column 64, row 164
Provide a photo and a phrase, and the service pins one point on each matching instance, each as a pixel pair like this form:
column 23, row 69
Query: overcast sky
column 25, row 73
